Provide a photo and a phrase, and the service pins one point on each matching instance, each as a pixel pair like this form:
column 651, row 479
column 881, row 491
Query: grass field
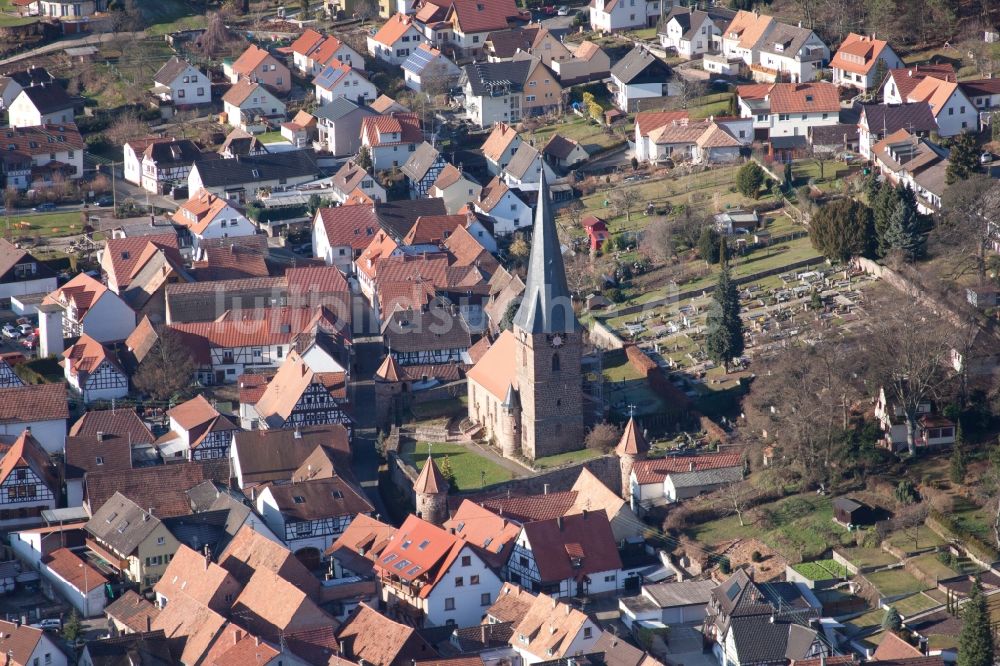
column 922, row 537
column 271, row 137
column 801, row 527
column 867, row 557
column 166, row 16
column 895, row 582
column 915, row 604
column 441, row 409
column 467, row 465
column 46, row 224
column 588, row 134
column 821, row 570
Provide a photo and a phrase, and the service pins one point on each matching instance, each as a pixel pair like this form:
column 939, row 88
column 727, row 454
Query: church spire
column 546, row 306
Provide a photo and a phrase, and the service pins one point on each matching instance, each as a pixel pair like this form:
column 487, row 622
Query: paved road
column 89, row 40
column 366, row 459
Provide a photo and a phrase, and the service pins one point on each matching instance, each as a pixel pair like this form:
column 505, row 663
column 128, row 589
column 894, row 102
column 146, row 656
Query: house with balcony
column 338, row 127
column 856, row 62
column 312, row 52
column 92, row 370
column 640, row 79
column 341, row 80
column 878, row 121
column 495, row 91
column 930, row 429
column 917, row 163
column 391, row 139
column 251, row 107
column 312, row 512
column 40, row 155
column 789, row 109
column 788, row 53
column 692, row 32
column 131, row 540
column 396, row 39
column 178, row 81
column 257, row 65
column 433, row 578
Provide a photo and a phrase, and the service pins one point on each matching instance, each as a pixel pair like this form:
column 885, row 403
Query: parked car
column 549, row 10
column 10, row 332
column 563, row 10
column 986, row 158
column 42, row 207
column 30, row 342
column 26, row 329
column 49, row 624
column 105, row 201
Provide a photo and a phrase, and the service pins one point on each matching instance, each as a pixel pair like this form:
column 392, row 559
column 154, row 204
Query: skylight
column 424, row 544
column 402, row 564
column 389, row 558
column 299, row 499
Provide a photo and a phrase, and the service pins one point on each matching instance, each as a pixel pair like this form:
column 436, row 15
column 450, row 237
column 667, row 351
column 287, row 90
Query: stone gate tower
column 631, row 447
column 549, row 344
column 431, row 494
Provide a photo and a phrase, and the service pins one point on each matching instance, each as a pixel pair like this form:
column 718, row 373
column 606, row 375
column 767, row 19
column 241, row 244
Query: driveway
column 684, row 647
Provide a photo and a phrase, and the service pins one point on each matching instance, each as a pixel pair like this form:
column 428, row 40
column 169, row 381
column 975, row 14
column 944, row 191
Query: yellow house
column 132, row 540
column 542, row 92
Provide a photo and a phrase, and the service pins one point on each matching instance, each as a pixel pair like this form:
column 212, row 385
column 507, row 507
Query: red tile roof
column 353, row 226
column 804, row 98
column 393, row 29
column 306, row 42
column 370, row 636
column 33, row 403
column 420, row 551
column 129, row 255
column 82, row 291
column 654, row 471
column 86, row 355
column 377, row 129
column 162, row 489
column 573, row 546
column 470, row 16
column 858, row 53
column 249, row 328
column 647, row 121
column 250, row 60
column 65, row 564
column 499, row 139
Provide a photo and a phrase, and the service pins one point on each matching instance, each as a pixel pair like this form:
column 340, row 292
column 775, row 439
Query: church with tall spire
column 527, row 389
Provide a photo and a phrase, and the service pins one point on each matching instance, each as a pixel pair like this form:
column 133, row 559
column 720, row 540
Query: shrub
column 755, row 556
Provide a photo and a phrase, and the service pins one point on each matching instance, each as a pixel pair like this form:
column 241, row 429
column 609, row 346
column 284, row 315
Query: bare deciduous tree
column 126, row 127
column 964, row 227
column 624, row 200
column 738, row 498
column 602, row 437
column 906, row 349
column 168, row 367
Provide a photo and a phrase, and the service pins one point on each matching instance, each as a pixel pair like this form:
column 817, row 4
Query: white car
column 9, row 331
column 563, row 11
column 50, row 624
column 26, row 329
column 986, row 158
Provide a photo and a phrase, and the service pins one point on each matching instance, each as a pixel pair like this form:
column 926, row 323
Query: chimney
column 584, row 514
column 237, row 636
column 559, row 522
column 100, row 435
column 149, row 623
column 545, row 489
column 691, row 466
column 297, row 434
column 256, row 640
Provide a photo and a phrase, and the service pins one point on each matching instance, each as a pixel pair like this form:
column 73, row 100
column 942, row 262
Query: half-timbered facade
column 428, row 336
column 312, row 513
column 8, row 378
column 28, row 483
column 299, row 396
column 197, row 432
column 567, row 556
column 91, row 369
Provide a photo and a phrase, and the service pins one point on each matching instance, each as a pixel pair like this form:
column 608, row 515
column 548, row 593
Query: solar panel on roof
column 417, row 61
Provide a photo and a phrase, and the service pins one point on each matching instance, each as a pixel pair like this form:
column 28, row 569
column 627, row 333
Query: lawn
column 623, row 386
column 931, row 566
column 711, row 105
column 867, row 557
column 166, row 16
column 821, row 570
column 440, row 409
column 911, row 540
column 591, row 136
column 271, row 137
column 9, row 21
column 467, row 466
column 568, row 458
column 46, row 224
column 895, row 582
column 917, row 603
column 801, row 527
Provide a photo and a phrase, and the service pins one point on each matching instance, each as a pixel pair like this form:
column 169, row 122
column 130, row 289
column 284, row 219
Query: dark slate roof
column 145, row 649
column 179, row 152
column 338, row 108
column 198, row 530
column 827, row 135
column 398, row 217
column 272, row 166
column 420, row 162
column 914, row 117
column 689, row 20
column 33, row 76
column 505, row 43
column 481, row 74
column 641, row 66
column 546, row 306
column 759, row 640
column 791, row 37
column 49, row 98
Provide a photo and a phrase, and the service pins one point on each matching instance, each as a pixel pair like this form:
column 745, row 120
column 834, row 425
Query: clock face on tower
column 557, row 341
